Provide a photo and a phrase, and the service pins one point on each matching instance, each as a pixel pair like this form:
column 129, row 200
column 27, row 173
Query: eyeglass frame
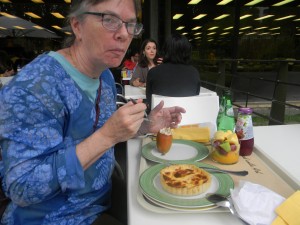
column 140, row 25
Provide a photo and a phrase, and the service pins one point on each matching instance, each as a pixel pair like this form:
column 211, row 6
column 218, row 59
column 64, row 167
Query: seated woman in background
column 175, row 77
column 148, row 59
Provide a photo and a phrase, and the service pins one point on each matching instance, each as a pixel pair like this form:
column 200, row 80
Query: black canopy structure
column 18, row 27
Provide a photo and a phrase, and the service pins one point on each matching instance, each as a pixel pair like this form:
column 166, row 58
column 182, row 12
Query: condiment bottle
column 244, row 131
column 225, row 119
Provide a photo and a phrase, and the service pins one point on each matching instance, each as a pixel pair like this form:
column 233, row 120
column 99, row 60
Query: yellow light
column 221, row 17
column 275, row 28
column 3, row 28
column 224, row 33
column 264, row 17
column 244, row 28
column 285, row 17
column 245, row 16
column 260, row 28
column 58, row 15
column 38, row 27
column 228, row 28
column 180, row 28
column 251, row 33
column 37, row 1
column 5, row 1
column 31, row 14
column 196, row 28
column 264, row 33
column 194, row 2
column 177, row 16
column 224, row 2
column 254, row 2
column 19, row 27
column 283, row 2
column 197, row 33
column 7, row 15
column 56, row 27
column 199, row 16
column 68, row 1
column 212, row 28
column 211, row 33
column 185, row 33
column 68, row 33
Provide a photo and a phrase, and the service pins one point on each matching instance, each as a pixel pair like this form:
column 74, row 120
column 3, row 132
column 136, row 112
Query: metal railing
column 270, row 84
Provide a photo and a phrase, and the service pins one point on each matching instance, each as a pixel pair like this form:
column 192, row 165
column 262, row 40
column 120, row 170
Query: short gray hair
column 78, row 7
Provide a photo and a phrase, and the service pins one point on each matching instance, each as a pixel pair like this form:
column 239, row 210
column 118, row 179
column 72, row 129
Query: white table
column 268, row 143
column 280, row 145
column 140, row 92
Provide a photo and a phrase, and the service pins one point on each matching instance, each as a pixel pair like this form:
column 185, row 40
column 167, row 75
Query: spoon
column 237, row 173
column 223, row 201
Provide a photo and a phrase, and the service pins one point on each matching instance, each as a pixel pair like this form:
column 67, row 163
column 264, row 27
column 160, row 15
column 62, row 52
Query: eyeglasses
column 114, row 23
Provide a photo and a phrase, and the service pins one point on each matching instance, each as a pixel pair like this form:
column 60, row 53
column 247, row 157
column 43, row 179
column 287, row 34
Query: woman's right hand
column 125, row 122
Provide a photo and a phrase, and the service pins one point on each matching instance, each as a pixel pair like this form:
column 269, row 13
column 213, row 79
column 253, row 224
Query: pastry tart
column 184, row 179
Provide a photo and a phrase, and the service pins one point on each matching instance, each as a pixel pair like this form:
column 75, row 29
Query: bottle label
column 230, row 112
column 244, row 127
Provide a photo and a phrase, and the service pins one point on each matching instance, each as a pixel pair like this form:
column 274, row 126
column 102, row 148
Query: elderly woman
column 148, row 59
column 59, row 123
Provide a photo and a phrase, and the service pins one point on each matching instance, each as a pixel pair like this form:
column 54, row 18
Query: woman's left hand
column 164, row 117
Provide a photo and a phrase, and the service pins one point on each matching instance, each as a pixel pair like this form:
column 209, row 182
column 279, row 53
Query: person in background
column 175, row 76
column 131, row 62
column 148, row 59
column 59, row 122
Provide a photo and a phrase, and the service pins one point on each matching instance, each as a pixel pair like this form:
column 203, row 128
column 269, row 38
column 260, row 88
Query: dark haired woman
column 148, row 59
column 175, row 77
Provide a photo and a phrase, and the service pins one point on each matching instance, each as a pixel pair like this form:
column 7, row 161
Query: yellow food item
column 229, row 158
column 184, row 179
column 192, row 133
column 226, row 147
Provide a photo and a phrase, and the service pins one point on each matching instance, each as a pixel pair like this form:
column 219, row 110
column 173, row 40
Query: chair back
column 200, row 109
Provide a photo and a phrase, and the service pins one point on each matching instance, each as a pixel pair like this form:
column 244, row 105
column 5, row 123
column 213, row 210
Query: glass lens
column 111, row 22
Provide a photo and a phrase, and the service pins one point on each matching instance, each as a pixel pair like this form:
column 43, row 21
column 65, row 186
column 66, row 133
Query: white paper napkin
column 255, row 203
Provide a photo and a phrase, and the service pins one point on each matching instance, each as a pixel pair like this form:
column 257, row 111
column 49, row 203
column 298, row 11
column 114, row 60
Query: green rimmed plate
column 151, row 187
column 180, row 152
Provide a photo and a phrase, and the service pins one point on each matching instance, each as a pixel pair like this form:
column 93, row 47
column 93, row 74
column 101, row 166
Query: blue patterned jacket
column 43, row 115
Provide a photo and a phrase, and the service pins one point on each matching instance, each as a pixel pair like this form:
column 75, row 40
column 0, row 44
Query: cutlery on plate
column 223, row 201
column 237, row 173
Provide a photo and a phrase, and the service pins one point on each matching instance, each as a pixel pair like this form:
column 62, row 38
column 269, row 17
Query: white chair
column 200, row 109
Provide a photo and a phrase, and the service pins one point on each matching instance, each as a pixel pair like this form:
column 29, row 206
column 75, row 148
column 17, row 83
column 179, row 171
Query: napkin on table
column 288, row 212
column 255, row 203
column 192, row 133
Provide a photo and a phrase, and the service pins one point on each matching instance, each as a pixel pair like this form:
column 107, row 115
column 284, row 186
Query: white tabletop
column 268, row 142
column 140, row 92
column 280, row 145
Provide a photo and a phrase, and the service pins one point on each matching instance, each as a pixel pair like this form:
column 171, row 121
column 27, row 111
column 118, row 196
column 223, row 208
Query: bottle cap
column 245, row 110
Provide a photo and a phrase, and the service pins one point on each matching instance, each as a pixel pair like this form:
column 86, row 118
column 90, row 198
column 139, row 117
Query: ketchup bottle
column 244, row 131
